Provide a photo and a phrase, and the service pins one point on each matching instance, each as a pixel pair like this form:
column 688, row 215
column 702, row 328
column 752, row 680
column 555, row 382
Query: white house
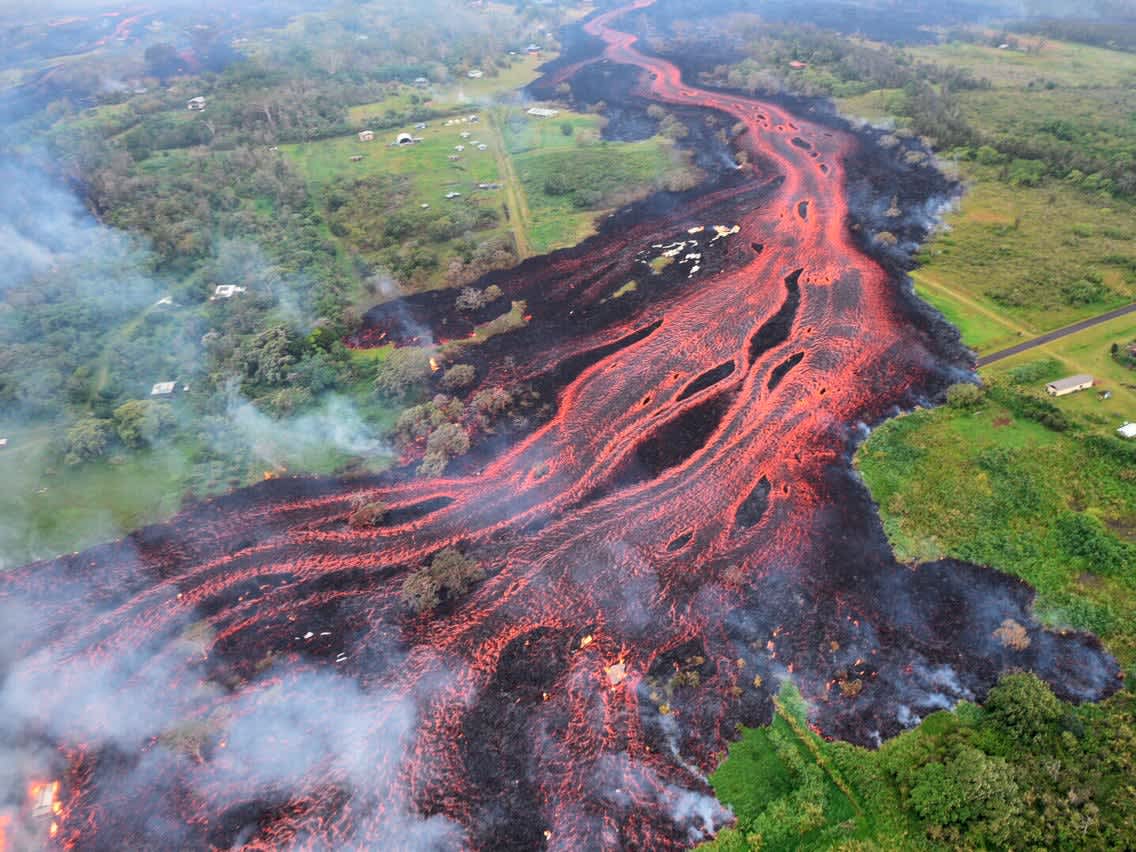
column 163, row 389
column 1070, row 384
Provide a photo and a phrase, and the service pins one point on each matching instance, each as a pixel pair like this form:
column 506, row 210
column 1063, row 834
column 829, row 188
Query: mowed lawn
column 1088, row 352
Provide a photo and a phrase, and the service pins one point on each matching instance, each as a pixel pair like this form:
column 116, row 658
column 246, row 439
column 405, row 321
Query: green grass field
column 1008, row 256
column 990, row 487
column 51, row 509
column 1088, row 352
column 463, row 91
column 1063, row 63
column 616, row 172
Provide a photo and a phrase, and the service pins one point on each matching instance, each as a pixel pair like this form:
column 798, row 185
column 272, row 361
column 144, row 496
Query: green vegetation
column 1004, row 475
column 1017, row 261
column 269, row 190
column 449, row 575
column 992, row 485
column 1027, row 771
column 568, row 178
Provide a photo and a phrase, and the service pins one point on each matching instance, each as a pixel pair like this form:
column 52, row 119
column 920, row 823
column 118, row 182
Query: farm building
column 196, row 104
column 1070, row 384
column 163, row 389
column 404, row 139
column 366, row 136
column 1128, row 430
column 543, row 112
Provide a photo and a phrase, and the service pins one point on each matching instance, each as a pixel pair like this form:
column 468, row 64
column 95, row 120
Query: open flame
column 434, row 365
column 43, row 797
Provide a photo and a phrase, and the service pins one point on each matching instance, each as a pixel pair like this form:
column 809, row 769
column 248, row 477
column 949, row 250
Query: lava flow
column 680, row 534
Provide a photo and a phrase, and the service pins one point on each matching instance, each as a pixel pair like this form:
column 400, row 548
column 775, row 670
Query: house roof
column 1128, row 430
column 1071, row 382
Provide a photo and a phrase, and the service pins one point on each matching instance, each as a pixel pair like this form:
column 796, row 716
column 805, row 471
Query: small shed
column 1070, row 384
column 1128, row 430
column 195, row 104
column 163, row 389
column 226, row 291
column 366, row 136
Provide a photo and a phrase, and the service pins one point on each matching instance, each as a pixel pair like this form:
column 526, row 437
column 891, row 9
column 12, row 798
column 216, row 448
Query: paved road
column 1055, row 335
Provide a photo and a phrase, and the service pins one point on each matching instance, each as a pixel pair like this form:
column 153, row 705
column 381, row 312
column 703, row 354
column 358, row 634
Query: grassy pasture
column 1064, row 63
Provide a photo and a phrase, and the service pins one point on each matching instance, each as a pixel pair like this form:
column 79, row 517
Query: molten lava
column 679, row 533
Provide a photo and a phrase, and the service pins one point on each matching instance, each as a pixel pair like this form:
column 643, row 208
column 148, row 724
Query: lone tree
column 445, row 442
column 87, row 440
column 403, row 369
column 140, row 422
column 449, row 575
column 459, row 376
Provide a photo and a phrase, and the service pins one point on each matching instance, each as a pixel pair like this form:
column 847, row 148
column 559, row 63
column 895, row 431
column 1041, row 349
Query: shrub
column 459, row 376
column 403, row 369
column 963, row 395
column 449, row 575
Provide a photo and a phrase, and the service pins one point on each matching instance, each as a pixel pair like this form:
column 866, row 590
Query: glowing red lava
column 680, row 534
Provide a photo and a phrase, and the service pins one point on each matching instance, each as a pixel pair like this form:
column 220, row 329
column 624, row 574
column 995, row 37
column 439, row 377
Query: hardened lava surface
column 246, row 675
